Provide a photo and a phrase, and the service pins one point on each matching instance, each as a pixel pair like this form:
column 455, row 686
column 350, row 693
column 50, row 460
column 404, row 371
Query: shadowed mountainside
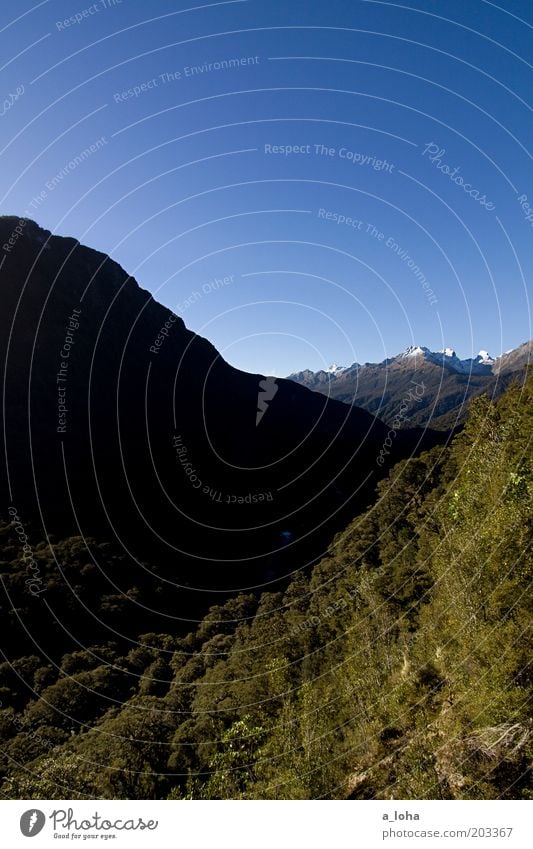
column 120, row 422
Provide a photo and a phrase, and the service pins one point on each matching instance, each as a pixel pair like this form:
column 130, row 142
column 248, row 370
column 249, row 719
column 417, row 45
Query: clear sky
column 304, row 181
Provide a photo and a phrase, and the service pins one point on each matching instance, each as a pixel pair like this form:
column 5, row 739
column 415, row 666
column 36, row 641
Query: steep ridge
column 120, row 422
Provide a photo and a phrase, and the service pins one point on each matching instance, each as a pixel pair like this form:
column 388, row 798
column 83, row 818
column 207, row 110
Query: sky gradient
column 302, row 182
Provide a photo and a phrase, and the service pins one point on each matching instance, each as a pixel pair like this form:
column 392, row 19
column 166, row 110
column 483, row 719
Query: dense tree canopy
column 396, row 668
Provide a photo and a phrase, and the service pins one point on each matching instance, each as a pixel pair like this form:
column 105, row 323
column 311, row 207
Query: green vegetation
column 396, row 668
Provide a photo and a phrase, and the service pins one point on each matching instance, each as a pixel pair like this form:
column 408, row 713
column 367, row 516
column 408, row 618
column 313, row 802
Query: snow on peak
column 415, row 351
column 448, row 357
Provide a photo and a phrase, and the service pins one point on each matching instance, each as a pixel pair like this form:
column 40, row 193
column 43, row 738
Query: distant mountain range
column 446, row 383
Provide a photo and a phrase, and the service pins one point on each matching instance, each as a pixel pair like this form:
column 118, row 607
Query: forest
column 397, row 667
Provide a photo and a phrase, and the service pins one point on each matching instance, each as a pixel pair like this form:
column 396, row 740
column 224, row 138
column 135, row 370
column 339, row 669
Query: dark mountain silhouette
column 121, row 423
column 449, row 383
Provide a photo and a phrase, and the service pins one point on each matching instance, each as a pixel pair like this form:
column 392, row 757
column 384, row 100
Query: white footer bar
column 268, row 825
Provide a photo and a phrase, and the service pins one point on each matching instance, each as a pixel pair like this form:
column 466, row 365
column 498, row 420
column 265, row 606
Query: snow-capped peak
column 446, row 357
column 449, row 358
column 415, row 351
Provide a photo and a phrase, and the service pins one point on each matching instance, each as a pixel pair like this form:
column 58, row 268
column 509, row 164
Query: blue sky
column 303, row 182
